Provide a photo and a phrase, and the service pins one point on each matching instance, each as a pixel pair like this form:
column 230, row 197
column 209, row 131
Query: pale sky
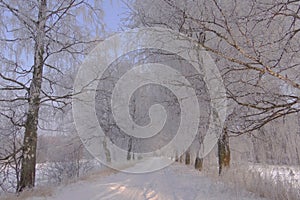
column 113, row 12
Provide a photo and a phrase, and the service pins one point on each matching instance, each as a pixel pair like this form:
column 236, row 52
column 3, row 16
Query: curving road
column 176, row 182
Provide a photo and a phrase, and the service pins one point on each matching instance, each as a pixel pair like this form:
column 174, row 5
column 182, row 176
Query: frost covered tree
column 255, row 44
column 41, row 43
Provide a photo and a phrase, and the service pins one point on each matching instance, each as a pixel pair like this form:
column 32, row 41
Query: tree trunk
column 181, row 159
column 199, row 163
column 176, row 157
column 223, row 151
column 129, row 149
column 107, row 152
column 187, row 157
column 31, row 124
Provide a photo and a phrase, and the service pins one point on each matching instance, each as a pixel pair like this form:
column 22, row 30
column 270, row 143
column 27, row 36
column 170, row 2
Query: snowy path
column 176, row 182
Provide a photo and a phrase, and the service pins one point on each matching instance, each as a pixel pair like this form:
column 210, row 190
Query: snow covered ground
column 176, row 182
column 277, row 174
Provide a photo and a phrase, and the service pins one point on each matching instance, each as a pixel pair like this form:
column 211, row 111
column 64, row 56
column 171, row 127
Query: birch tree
column 41, row 42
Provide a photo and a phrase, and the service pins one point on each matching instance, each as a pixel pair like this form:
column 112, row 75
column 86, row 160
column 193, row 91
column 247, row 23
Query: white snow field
column 176, row 182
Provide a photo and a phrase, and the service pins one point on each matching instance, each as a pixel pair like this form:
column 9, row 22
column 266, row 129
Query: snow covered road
column 176, row 182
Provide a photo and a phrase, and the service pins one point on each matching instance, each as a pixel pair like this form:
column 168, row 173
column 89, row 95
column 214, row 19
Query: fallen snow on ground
column 278, row 174
column 176, row 182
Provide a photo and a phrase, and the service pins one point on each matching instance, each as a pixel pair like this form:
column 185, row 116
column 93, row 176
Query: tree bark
column 223, row 151
column 107, row 152
column 199, row 163
column 176, row 157
column 31, row 124
column 181, row 158
column 187, row 157
column 129, row 149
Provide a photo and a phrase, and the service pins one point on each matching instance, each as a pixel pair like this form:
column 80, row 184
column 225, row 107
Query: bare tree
column 10, row 162
column 255, row 44
column 41, row 40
